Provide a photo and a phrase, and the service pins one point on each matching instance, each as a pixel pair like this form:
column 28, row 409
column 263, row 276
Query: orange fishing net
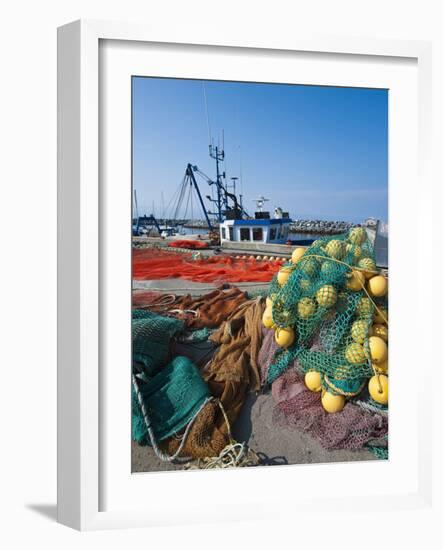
column 188, row 244
column 208, row 310
column 153, row 264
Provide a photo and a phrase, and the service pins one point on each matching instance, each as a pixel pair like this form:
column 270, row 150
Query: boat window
column 257, row 234
column 244, row 234
column 223, row 233
column 231, row 233
column 273, row 233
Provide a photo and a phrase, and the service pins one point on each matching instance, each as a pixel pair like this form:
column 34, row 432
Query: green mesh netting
column 326, row 307
column 151, row 336
column 171, row 398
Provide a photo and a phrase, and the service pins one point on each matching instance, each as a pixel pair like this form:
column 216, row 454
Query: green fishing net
column 151, row 336
column 329, row 311
column 172, row 398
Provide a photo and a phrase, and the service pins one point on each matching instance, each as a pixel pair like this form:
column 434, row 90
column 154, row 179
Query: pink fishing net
column 300, row 409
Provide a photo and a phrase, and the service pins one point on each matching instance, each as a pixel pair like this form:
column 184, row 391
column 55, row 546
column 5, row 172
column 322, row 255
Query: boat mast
column 219, row 155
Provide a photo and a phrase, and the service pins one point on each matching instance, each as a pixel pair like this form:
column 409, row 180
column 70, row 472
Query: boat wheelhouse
column 261, row 229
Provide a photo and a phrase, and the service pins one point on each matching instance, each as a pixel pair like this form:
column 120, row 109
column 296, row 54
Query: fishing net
column 151, row 338
column 233, row 370
column 154, row 264
column 322, row 297
column 300, row 409
column 205, row 437
column 206, row 311
column 172, row 398
column 188, row 244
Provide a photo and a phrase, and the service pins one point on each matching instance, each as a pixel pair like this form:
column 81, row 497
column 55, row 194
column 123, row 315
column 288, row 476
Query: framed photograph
column 237, row 284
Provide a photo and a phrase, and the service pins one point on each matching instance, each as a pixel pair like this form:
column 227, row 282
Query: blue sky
column 319, row 152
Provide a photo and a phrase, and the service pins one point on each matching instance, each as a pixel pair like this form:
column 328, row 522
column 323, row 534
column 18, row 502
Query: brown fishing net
column 204, row 438
column 234, row 369
column 300, row 409
column 208, row 310
column 231, row 373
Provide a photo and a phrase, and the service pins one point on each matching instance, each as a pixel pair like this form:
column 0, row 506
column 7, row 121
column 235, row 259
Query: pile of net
column 154, row 264
column 298, row 408
column 332, row 295
column 185, row 411
column 188, row 244
column 206, row 311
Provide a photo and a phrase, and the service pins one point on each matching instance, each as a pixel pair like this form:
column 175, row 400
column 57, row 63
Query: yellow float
column 359, row 330
column 306, row 308
column 381, row 331
column 364, row 307
column 378, row 349
column 382, row 368
column 378, row 286
column 378, row 388
column 355, row 353
column 357, row 235
column 336, row 249
column 283, row 275
column 313, row 381
column 297, row 254
column 267, row 320
column 285, row 337
column 369, row 265
column 326, row 296
column 309, row 266
column 380, row 317
column 356, row 281
column 332, row 403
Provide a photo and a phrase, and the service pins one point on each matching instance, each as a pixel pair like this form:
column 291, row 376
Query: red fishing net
column 298, row 408
column 153, row 264
column 188, row 244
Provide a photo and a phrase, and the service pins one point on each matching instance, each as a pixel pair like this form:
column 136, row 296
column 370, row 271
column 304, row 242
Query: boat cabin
column 261, row 229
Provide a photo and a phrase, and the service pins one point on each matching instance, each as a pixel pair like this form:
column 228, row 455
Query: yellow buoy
column 336, row 249
column 283, row 275
column 297, row 254
column 326, row 296
column 355, row 353
column 267, row 320
column 378, row 286
column 354, row 249
column 285, row 337
column 378, row 349
column 306, row 308
column 332, row 403
column 364, row 307
column 313, row 381
column 380, row 318
column 382, row 368
column 367, row 264
column 304, row 284
column 359, row 330
column 357, row 235
column 268, row 302
column 381, row 331
column 378, row 388
column 309, row 266
column 356, row 281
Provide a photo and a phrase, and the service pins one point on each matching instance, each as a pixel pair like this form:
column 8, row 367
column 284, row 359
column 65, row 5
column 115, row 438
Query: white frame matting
column 96, row 492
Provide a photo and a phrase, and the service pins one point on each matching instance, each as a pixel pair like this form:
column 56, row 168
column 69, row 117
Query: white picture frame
column 83, row 207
